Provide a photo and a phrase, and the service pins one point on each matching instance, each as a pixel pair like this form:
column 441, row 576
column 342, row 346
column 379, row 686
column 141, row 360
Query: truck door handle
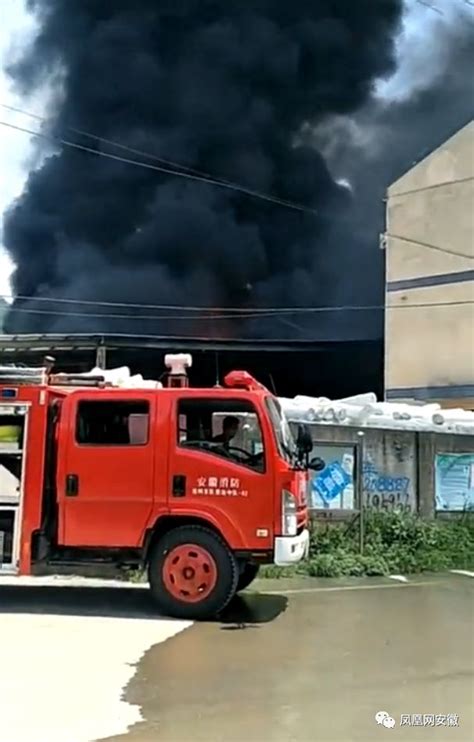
column 179, row 485
column 72, row 485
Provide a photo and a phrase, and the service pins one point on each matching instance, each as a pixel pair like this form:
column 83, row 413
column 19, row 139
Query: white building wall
column 429, row 318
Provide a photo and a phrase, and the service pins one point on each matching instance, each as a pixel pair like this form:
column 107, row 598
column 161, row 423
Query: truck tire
column 192, row 573
column 248, row 573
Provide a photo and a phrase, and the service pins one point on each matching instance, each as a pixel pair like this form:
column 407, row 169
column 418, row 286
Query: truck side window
column 113, row 423
column 225, row 428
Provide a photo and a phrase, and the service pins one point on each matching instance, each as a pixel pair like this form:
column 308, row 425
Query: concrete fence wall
column 400, row 470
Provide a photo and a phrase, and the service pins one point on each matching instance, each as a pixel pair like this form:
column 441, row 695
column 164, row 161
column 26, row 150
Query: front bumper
column 291, row 549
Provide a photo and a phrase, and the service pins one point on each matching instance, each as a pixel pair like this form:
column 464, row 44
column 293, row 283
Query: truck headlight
column 289, row 525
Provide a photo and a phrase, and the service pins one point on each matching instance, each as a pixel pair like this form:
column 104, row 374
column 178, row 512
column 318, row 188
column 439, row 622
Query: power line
column 161, row 307
column 119, row 145
column 440, row 11
column 208, row 317
column 70, row 336
column 221, row 184
column 211, row 312
column 431, row 7
column 168, row 171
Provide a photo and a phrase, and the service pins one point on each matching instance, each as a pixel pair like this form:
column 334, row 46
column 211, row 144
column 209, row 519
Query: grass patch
column 395, row 543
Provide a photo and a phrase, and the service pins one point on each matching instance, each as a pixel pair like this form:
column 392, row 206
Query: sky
column 417, row 56
column 15, row 28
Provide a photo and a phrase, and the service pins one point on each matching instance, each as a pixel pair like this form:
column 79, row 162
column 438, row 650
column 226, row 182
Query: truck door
column 105, row 479
column 228, row 475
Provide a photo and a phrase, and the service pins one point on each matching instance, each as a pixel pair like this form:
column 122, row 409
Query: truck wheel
column 248, row 573
column 192, row 573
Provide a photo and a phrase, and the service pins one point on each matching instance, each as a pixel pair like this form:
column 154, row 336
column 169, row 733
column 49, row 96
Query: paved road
column 65, row 656
column 316, row 665
column 300, row 662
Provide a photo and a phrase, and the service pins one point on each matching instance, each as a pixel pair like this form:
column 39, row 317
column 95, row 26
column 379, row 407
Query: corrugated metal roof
column 76, row 342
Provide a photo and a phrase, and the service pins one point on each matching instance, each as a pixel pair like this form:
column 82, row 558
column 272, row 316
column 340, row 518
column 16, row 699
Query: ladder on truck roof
column 42, row 376
column 22, row 374
column 121, row 377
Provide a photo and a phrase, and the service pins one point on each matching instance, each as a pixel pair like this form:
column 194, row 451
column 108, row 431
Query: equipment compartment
column 12, row 428
column 7, row 533
column 13, row 421
column 13, row 432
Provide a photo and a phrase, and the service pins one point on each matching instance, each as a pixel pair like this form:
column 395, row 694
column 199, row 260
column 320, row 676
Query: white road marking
column 349, row 587
column 399, row 578
column 63, row 676
column 464, row 572
column 67, row 581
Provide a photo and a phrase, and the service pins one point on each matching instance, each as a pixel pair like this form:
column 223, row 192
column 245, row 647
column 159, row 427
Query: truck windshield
column 286, row 442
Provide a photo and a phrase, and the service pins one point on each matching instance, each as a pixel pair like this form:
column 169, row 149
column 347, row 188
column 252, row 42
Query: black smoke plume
column 226, row 88
column 222, row 87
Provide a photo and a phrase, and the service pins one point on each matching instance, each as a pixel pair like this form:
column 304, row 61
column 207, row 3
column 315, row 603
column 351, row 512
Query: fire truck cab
column 96, row 474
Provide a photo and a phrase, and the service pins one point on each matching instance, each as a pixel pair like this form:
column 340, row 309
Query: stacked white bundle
column 121, row 377
column 364, row 411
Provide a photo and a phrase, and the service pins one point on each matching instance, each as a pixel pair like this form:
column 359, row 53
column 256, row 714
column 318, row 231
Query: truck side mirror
column 317, row 464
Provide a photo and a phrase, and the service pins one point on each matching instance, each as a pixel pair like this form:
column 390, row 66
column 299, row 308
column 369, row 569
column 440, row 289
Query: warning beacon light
column 177, row 363
column 243, row 380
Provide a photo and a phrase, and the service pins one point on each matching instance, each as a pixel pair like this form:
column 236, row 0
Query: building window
column 113, row 423
column 225, row 428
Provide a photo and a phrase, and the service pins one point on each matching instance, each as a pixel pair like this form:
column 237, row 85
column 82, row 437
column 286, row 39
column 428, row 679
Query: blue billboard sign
column 333, row 487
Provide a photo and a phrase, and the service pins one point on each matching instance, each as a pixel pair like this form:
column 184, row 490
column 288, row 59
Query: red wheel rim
column 189, row 573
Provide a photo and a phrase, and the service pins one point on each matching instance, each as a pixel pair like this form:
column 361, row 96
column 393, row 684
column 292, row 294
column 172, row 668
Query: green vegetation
column 394, row 543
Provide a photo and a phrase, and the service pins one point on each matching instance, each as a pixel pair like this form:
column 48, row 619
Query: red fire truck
column 95, row 476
